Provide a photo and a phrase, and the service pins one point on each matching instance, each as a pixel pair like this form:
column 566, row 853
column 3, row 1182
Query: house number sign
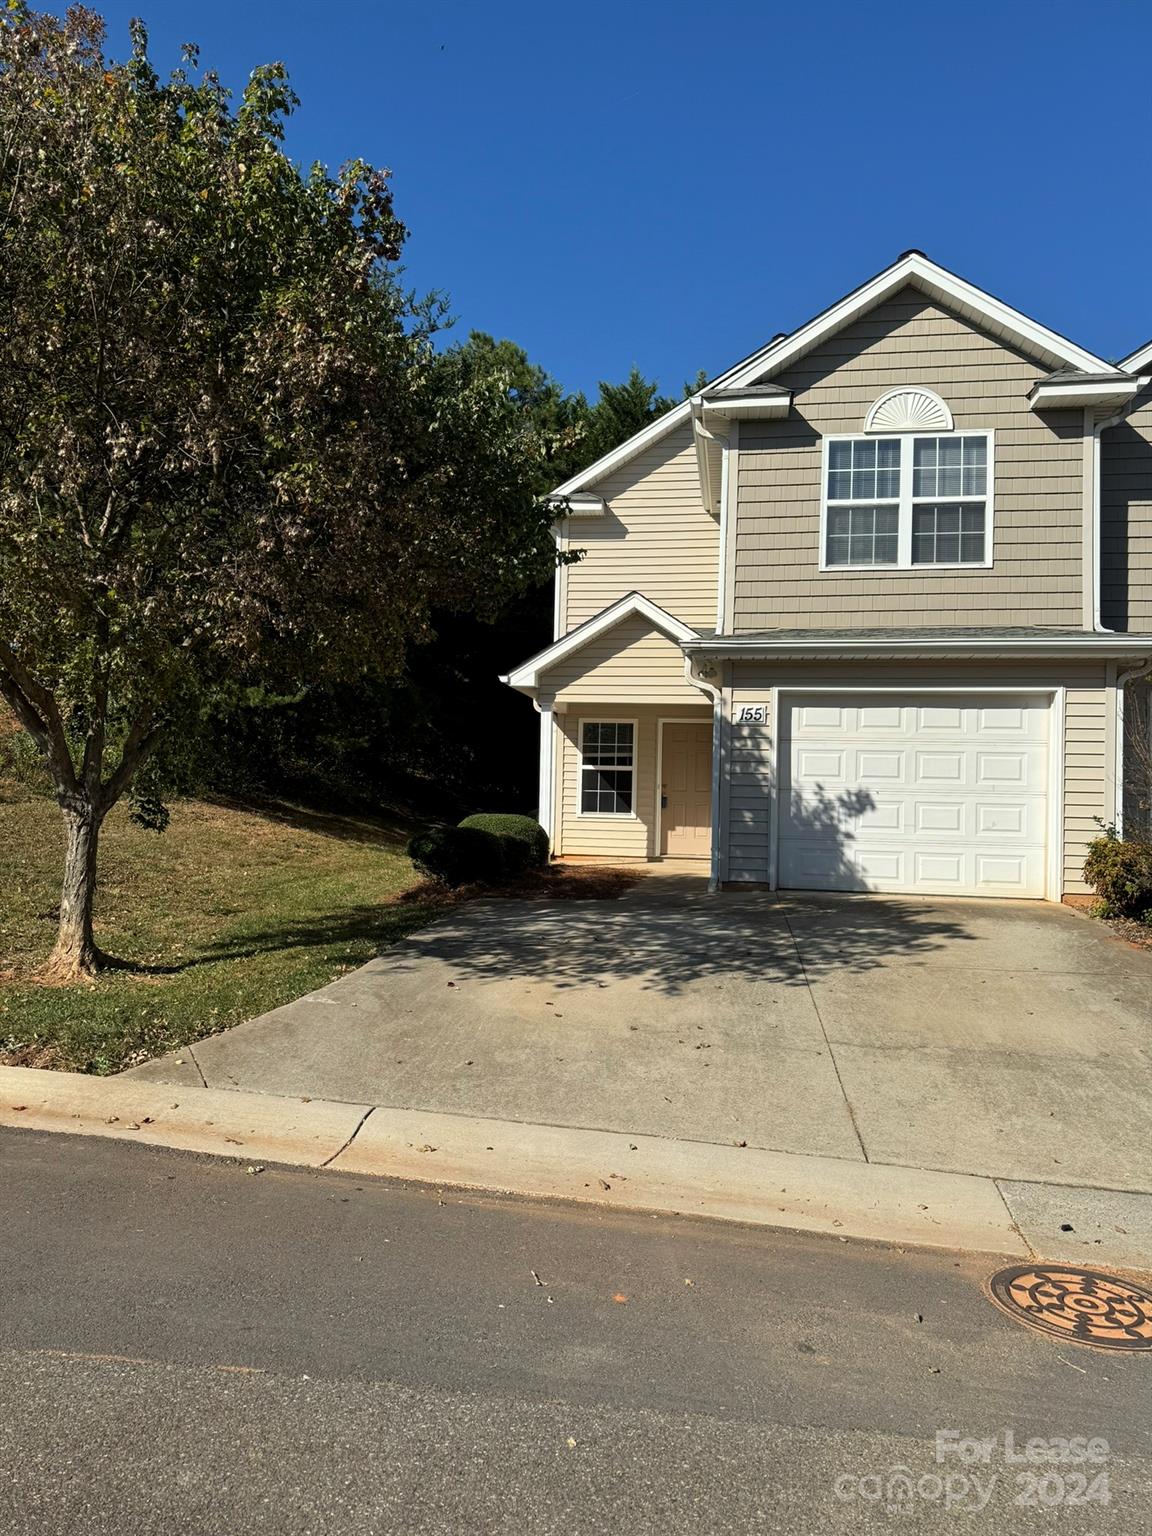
column 751, row 714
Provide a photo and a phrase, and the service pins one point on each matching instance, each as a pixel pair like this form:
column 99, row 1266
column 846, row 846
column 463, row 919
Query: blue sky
column 671, row 184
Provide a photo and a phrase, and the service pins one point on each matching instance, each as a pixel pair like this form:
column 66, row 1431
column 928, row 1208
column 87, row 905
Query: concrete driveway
column 1012, row 1039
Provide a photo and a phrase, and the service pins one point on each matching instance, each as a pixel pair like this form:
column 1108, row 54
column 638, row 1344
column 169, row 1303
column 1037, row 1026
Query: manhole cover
column 1080, row 1306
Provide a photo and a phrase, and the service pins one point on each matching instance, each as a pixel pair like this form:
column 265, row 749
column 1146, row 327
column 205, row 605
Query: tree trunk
column 76, row 955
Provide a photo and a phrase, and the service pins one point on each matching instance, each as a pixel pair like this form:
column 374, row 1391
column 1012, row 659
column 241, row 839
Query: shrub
column 528, row 839
column 458, row 855
column 1120, row 872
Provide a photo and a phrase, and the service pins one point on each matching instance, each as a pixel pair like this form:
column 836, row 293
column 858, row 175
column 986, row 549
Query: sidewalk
column 880, row 1202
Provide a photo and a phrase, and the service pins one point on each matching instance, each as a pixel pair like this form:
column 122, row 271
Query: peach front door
column 686, row 790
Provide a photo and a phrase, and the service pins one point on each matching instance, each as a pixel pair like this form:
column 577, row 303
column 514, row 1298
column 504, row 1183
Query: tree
column 230, row 455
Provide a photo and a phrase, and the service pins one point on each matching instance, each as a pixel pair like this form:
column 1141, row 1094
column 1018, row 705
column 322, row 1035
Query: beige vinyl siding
column 656, row 538
column 1126, row 521
column 632, row 662
column 612, row 837
column 1086, row 775
column 1036, row 577
column 747, row 829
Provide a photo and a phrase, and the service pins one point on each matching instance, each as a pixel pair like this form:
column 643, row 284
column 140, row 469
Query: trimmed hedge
column 1120, row 872
column 458, row 855
column 520, row 830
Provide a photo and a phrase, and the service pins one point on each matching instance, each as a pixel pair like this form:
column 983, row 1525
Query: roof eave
column 1090, row 643
column 1056, row 396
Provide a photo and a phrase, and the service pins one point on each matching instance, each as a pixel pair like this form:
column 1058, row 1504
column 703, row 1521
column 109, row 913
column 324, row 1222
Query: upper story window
column 898, row 502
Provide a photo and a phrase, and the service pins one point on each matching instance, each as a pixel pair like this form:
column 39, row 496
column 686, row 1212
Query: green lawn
column 233, row 912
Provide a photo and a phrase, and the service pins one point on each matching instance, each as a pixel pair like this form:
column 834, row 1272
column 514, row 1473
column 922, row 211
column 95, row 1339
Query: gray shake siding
column 1039, row 486
column 1126, row 521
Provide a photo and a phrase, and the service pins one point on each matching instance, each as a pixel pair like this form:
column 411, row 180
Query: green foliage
column 232, row 456
column 523, row 831
column 458, row 855
column 238, row 913
column 1120, row 872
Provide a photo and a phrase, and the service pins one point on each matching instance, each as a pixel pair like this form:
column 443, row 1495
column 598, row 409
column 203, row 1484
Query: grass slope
column 236, row 913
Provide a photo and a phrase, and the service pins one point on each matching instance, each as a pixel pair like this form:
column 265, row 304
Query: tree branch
column 39, row 713
column 139, row 745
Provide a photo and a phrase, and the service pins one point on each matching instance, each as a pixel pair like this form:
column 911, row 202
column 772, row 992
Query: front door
column 686, row 790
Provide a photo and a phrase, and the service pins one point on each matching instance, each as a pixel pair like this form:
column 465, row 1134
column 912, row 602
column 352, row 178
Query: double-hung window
column 899, row 502
column 607, row 768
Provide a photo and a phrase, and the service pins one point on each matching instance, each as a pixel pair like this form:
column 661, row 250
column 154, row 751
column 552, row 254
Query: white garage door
column 931, row 793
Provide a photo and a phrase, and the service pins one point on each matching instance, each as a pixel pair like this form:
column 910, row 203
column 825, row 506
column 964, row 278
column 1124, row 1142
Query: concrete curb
column 745, row 1184
column 248, row 1125
column 882, row 1203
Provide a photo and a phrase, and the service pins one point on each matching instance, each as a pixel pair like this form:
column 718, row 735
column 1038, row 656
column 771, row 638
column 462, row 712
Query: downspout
column 716, row 695
column 546, row 791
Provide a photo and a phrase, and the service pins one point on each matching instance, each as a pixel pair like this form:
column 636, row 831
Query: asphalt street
column 190, row 1347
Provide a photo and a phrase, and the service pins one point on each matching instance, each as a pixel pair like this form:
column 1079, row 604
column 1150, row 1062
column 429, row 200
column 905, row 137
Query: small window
column 899, row 502
column 607, row 768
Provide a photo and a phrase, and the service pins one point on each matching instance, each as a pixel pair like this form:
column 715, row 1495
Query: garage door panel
column 938, row 718
column 881, row 717
column 1006, row 819
column 820, row 765
column 917, row 793
column 933, row 817
column 944, row 768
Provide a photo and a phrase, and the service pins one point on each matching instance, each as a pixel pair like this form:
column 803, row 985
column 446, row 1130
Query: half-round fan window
column 909, row 410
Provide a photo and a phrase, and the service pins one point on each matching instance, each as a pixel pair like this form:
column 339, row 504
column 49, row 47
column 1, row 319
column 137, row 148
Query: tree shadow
column 668, row 934
column 386, row 831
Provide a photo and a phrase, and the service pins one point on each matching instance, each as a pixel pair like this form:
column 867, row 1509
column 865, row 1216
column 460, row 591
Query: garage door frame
column 1054, row 850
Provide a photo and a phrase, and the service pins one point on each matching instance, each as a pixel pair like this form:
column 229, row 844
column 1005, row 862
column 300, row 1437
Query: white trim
column 581, row 722
column 527, row 675
column 937, row 282
column 912, row 267
column 924, row 428
column 560, row 584
column 716, row 693
column 627, row 450
column 737, row 646
column 774, row 788
column 1054, row 833
column 546, row 808
column 578, row 504
column 661, row 722
column 1138, row 360
column 1057, row 775
column 772, row 406
column 1056, row 395
column 905, row 503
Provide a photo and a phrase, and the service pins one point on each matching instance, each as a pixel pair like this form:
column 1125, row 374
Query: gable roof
column 912, row 268
column 1139, row 360
column 528, row 674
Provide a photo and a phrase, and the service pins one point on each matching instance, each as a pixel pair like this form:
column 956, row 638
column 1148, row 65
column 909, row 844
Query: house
column 865, row 613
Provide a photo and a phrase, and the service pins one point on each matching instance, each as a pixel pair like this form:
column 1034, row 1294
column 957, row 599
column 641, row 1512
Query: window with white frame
column 907, row 501
column 607, row 768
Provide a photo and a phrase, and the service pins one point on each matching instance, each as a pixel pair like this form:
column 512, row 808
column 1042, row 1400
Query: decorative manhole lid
column 1080, row 1306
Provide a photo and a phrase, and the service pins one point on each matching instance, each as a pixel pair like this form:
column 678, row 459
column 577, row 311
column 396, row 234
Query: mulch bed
column 558, row 882
column 1137, row 934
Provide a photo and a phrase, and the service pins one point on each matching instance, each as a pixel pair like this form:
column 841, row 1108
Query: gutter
column 1109, row 643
